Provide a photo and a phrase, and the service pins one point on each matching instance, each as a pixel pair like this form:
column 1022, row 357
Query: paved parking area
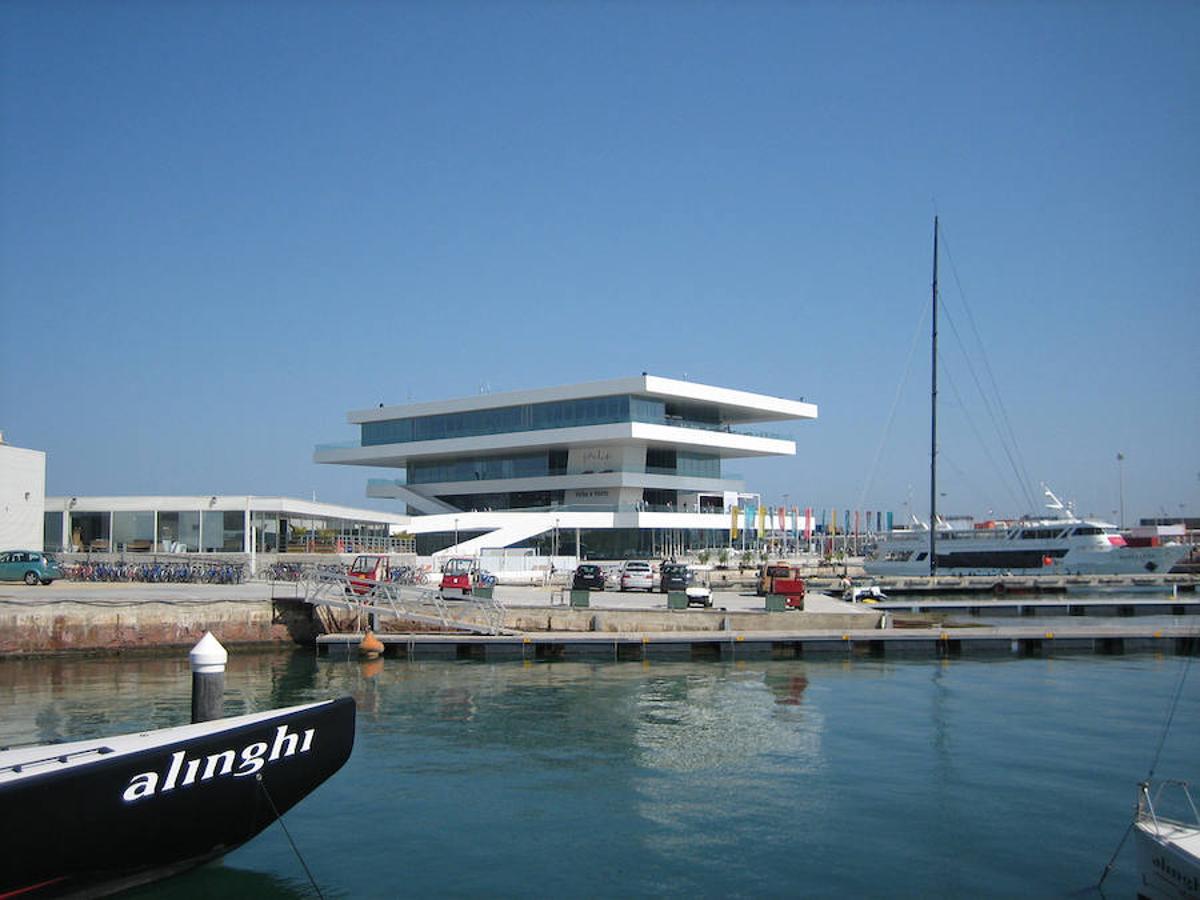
column 106, row 594
column 732, row 601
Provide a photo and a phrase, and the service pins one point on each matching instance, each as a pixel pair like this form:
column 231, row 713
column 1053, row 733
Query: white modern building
column 627, row 466
column 217, row 523
column 22, row 497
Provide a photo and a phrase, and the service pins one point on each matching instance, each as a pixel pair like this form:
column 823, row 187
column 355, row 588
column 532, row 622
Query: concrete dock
column 880, row 643
column 1122, row 606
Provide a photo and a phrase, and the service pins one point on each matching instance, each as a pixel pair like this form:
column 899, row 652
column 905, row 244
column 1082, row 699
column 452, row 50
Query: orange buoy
column 371, row 647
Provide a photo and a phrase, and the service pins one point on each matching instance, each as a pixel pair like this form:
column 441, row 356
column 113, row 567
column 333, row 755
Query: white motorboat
column 1168, row 844
column 1058, row 544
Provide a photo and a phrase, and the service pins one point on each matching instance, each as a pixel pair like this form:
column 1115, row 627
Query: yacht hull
column 93, row 817
column 1166, row 868
column 1033, row 561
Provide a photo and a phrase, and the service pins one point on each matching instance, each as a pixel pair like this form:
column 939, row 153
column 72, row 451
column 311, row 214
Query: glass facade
column 223, row 531
column 505, row 500
column 89, row 531
column 508, row 419
column 487, row 468
column 52, row 540
column 133, row 531
column 179, row 532
column 668, row 461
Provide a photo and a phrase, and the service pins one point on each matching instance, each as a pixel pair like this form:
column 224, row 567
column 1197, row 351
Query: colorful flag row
column 755, row 519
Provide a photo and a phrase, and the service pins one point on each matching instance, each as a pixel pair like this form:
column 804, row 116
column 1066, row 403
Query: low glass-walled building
column 217, row 524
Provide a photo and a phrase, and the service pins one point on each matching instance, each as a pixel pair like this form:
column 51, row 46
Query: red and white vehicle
column 365, row 573
column 462, row 577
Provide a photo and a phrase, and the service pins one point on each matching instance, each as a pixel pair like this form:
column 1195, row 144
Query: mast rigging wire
column 887, row 428
column 1006, row 433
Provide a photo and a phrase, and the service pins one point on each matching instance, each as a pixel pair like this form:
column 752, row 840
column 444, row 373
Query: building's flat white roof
column 734, row 405
column 293, row 506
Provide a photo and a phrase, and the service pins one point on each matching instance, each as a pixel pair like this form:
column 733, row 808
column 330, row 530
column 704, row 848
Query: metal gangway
column 410, row 602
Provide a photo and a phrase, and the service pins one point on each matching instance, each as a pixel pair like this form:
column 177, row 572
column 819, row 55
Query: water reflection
column 219, row 880
column 842, row 777
column 695, row 720
column 66, row 698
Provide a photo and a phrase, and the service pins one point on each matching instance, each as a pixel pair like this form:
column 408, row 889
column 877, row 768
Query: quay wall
column 68, row 626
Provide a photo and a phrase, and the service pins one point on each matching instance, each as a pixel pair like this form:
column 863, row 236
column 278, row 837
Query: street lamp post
column 456, row 531
column 1121, row 485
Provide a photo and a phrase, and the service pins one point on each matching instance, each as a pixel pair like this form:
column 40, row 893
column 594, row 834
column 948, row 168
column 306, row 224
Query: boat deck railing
column 56, row 759
column 1180, row 797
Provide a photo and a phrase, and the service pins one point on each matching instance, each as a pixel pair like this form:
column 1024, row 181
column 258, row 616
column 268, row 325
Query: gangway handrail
column 403, row 601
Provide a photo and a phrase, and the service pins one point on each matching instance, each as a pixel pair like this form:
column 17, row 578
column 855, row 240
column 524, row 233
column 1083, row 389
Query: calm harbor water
column 1001, row 778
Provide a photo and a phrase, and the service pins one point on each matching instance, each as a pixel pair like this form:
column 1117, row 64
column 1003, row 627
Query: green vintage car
column 29, row 566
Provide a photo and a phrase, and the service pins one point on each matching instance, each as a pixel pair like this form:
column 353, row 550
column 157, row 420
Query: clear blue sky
column 223, row 225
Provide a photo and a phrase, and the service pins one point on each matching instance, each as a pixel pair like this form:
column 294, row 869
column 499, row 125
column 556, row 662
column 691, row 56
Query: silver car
column 637, row 575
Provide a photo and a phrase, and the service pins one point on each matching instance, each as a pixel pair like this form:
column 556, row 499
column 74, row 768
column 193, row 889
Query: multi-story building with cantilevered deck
column 610, row 468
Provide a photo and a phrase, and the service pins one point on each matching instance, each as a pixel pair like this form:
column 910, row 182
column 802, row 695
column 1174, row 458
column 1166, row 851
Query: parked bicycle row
column 409, row 574
column 290, row 571
column 159, row 573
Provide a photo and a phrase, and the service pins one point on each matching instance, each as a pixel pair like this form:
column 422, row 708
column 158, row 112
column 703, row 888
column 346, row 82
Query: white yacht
column 1057, row 544
column 1168, row 848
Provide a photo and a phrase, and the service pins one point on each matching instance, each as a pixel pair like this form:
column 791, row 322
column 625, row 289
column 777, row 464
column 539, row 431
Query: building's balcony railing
column 481, row 483
column 667, row 421
column 605, row 508
column 675, row 422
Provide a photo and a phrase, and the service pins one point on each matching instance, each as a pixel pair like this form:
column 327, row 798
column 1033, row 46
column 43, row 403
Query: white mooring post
column 208, row 660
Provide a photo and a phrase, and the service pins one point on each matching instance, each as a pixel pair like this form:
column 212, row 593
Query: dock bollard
column 208, row 660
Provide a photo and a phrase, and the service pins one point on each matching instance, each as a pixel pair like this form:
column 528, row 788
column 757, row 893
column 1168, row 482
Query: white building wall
column 22, row 498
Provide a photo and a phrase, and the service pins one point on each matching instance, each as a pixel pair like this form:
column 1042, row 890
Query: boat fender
column 998, row 588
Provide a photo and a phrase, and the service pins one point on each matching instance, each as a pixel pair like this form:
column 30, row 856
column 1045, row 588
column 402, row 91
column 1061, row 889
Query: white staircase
column 506, row 535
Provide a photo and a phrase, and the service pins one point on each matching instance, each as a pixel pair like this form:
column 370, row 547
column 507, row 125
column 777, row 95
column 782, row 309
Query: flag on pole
column 733, row 523
column 762, row 520
column 808, row 523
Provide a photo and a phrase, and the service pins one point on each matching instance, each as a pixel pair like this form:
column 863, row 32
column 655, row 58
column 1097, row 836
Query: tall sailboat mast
column 933, row 416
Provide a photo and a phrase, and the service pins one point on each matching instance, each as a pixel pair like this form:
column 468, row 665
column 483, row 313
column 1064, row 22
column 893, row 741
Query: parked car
column 674, row 577
column 29, row 566
column 636, row 574
column 588, row 577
